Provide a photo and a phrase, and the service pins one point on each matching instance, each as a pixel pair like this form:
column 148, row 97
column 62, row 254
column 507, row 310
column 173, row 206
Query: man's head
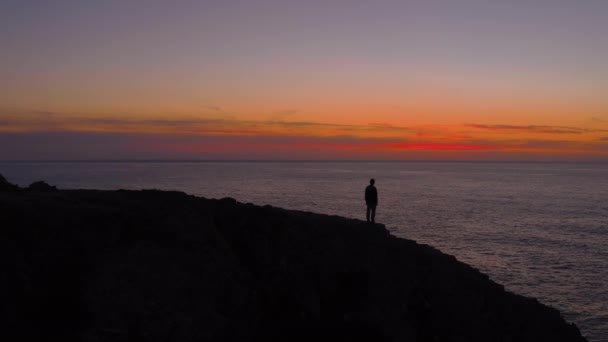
column 372, row 181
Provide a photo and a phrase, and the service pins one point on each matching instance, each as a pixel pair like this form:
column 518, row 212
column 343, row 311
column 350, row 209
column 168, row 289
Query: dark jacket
column 371, row 196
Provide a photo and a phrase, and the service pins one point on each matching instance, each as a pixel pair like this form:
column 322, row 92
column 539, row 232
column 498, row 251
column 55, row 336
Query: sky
column 304, row 80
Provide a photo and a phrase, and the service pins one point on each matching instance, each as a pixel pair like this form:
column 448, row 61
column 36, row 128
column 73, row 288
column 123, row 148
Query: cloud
column 548, row 144
column 598, row 120
column 137, row 146
column 25, row 122
column 447, row 146
column 41, row 135
column 531, row 129
column 381, row 124
column 217, row 112
column 155, row 146
column 282, row 115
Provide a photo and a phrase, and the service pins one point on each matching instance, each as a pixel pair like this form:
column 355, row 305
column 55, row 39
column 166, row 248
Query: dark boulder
column 41, row 186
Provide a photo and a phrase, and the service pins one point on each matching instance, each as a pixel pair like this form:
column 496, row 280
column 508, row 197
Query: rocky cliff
column 86, row 265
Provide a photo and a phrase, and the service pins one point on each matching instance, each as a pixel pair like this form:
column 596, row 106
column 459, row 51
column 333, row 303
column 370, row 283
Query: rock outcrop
column 6, row 186
column 85, row 265
column 41, row 187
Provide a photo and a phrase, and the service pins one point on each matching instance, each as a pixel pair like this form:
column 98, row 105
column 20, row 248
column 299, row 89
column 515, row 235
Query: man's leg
column 374, row 214
column 367, row 214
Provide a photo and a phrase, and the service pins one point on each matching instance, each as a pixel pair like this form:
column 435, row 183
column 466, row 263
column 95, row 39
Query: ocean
column 540, row 229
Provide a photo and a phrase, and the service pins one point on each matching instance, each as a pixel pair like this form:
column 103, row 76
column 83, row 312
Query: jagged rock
column 165, row 266
column 41, row 187
column 6, row 186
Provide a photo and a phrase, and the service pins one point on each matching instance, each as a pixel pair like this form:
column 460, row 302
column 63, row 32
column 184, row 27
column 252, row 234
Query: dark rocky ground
column 86, row 265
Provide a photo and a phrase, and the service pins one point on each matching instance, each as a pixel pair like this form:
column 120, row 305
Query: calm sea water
column 539, row 229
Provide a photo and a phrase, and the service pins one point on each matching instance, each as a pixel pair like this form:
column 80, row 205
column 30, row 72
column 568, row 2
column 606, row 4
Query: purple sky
column 402, row 63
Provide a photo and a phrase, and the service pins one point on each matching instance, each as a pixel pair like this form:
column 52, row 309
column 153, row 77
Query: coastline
column 154, row 265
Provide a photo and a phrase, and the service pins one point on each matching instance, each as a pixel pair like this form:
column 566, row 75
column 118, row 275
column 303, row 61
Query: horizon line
column 296, row 161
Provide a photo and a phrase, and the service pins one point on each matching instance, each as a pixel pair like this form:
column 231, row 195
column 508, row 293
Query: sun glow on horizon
column 270, row 79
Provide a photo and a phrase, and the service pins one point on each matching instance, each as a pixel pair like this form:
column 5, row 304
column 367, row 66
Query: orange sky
column 270, row 80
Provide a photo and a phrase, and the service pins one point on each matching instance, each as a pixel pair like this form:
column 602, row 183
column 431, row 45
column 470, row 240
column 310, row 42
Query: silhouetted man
column 371, row 199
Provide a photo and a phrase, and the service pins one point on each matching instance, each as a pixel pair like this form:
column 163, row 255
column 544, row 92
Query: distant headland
column 89, row 265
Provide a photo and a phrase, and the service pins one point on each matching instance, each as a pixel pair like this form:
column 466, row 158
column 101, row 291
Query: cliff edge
column 87, row 265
